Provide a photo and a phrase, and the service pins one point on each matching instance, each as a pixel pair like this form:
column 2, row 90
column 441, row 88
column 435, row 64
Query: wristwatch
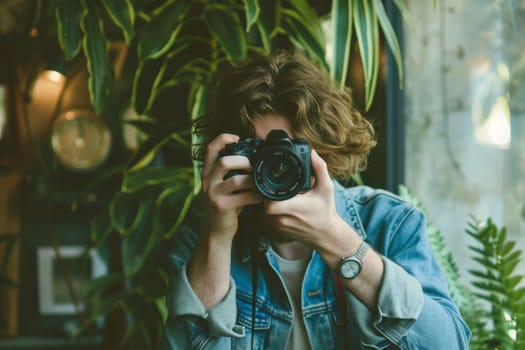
column 350, row 266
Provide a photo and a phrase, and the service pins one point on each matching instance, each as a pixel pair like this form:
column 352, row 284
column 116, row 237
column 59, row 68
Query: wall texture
column 465, row 116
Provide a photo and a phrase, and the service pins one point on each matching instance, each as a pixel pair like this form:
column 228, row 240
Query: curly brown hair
column 288, row 84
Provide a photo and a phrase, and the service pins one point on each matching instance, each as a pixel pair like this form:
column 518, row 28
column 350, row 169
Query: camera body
column 281, row 165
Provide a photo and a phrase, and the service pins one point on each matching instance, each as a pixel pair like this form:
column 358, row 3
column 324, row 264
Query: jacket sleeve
column 189, row 325
column 415, row 309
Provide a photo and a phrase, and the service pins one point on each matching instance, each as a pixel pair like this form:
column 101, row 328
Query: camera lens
column 278, row 173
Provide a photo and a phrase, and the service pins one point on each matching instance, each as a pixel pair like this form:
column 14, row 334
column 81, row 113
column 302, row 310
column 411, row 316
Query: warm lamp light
column 54, row 76
column 42, row 102
column 47, row 87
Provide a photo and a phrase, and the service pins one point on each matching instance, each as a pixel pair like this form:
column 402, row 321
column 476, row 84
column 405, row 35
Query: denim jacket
column 415, row 310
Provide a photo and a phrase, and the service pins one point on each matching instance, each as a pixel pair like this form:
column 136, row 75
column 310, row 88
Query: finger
column 237, row 200
column 281, row 207
column 227, row 164
column 213, row 149
column 251, row 197
column 320, row 169
column 237, row 183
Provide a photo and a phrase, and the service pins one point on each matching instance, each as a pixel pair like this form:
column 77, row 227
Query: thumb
column 320, row 169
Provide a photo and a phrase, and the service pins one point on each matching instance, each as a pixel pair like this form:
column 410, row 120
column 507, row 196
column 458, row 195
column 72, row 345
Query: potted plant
column 175, row 48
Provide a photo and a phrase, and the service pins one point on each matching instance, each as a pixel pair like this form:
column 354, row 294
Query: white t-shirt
column 293, row 273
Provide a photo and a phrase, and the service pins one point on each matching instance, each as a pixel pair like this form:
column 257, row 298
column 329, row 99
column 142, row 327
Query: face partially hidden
column 263, row 125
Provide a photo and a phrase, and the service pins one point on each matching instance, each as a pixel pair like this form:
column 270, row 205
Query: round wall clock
column 80, row 140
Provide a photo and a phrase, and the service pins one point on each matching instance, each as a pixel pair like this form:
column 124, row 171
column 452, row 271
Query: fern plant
column 493, row 303
column 497, row 284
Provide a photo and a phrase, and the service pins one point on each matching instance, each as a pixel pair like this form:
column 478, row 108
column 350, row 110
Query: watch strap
column 359, row 253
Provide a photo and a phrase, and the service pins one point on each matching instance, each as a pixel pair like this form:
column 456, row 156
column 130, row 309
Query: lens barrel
column 278, row 173
column 281, row 166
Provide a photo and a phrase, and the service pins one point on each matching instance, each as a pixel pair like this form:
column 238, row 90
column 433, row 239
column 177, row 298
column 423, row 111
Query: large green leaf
column 268, row 21
column 148, row 149
column 198, row 133
column 155, row 176
column 180, row 65
column 144, row 125
column 405, row 14
column 100, row 285
column 193, row 70
column 301, row 34
column 180, row 53
column 136, row 337
column 367, row 33
column 390, row 37
column 139, row 242
column 252, row 10
column 147, row 77
column 225, row 25
column 173, row 205
column 124, row 211
column 342, row 36
column 68, row 14
column 163, row 28
column 101, row 228
column 310, row 17
column 107, row 304
column 123, row 15
column 95, row 46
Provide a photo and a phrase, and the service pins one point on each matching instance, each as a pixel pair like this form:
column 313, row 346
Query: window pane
column 465, row 115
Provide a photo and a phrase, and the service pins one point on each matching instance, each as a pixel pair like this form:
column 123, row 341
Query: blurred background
column 99, row 107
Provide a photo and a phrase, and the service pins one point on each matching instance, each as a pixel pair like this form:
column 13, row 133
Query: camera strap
column 340, row 292
column 254, row 270
column 248, row 218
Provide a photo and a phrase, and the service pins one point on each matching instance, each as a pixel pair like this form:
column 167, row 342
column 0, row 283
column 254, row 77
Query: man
column 333, row 267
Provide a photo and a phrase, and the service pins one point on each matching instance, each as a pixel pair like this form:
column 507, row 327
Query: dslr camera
column 281, row 166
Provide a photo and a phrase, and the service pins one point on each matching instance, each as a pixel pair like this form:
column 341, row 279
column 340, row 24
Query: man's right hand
column 225, row 198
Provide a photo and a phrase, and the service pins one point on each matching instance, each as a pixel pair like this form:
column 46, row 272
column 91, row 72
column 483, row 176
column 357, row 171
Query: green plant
column 493, row 303
column 175, row 49
column 499, row 286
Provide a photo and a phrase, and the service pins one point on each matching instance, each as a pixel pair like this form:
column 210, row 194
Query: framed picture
column 53, row 293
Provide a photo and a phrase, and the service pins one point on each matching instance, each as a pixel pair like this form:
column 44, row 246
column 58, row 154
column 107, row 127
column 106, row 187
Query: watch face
column 350, row 268
column 80, row 140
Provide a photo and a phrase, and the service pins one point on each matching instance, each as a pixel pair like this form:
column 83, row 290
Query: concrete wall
column 463, row 58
